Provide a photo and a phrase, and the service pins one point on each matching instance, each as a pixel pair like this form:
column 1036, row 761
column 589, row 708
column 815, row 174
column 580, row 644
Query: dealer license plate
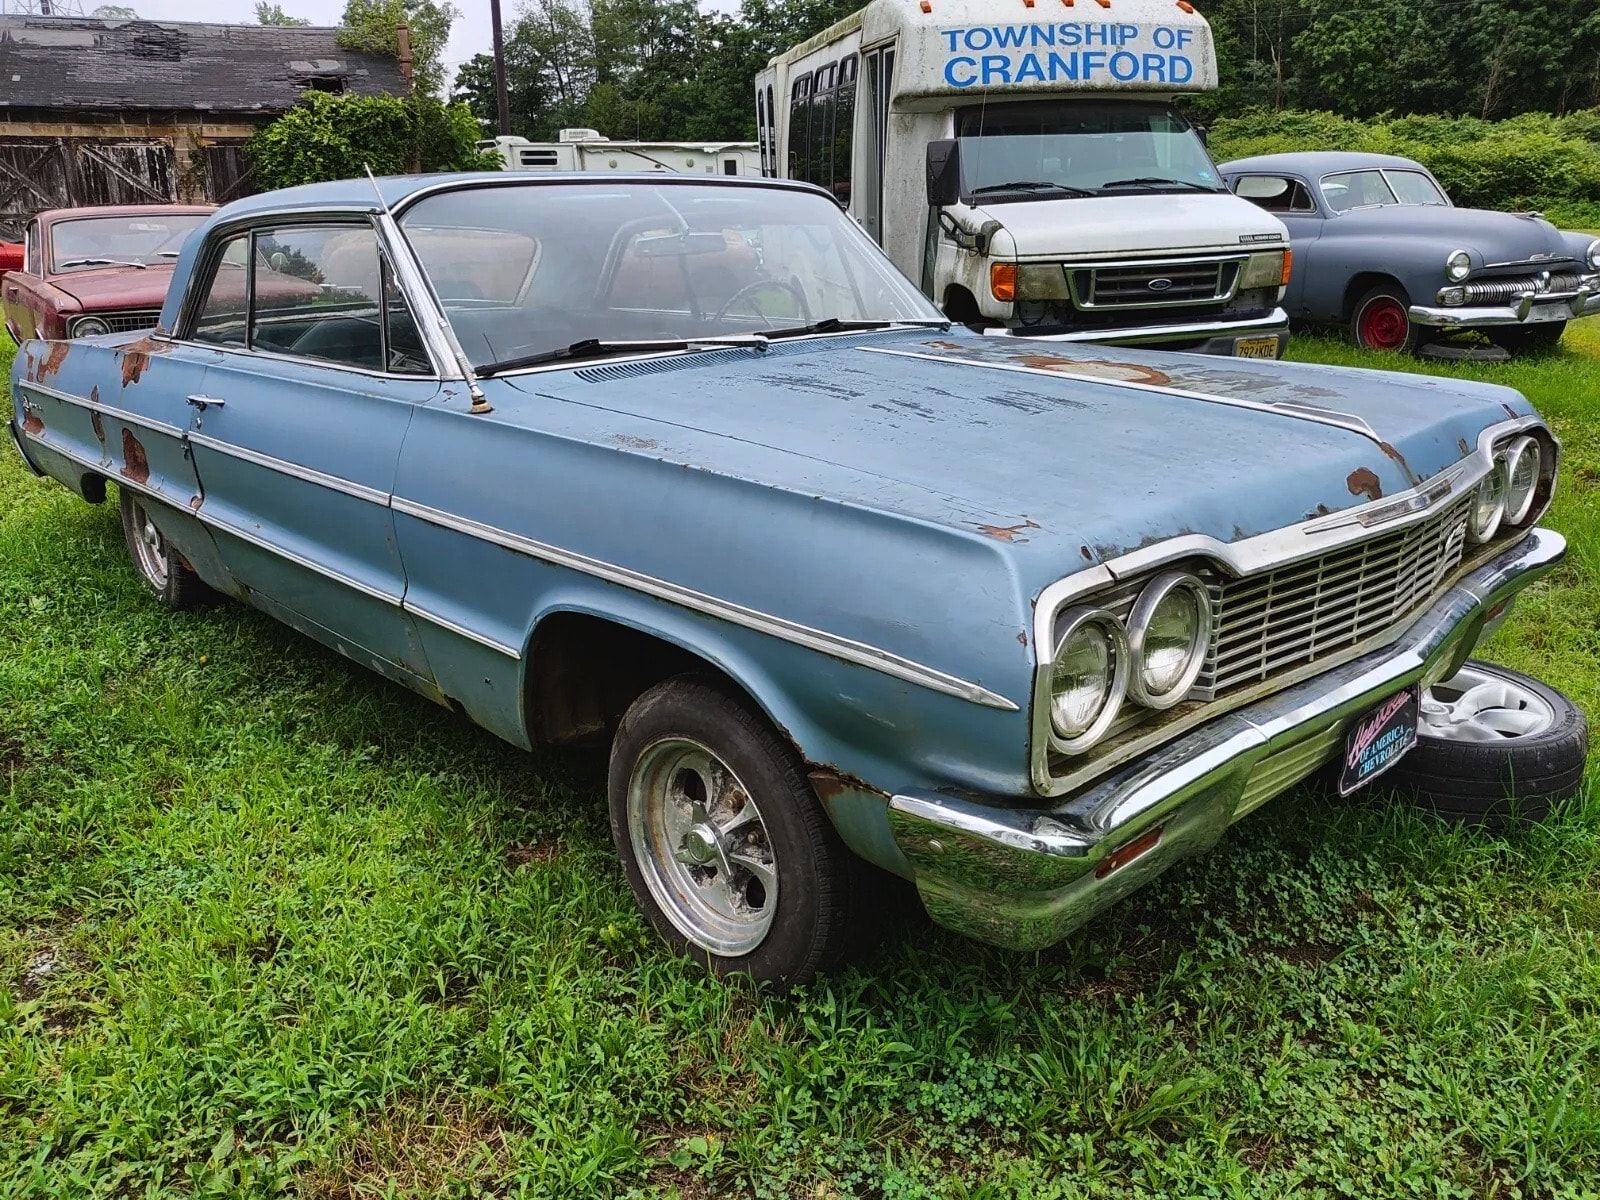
column 1255, row 347
column 1378, row 739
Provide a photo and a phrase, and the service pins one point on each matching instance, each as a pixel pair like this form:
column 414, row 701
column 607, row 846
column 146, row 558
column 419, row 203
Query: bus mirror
column 944, row 172
column 1203, row 131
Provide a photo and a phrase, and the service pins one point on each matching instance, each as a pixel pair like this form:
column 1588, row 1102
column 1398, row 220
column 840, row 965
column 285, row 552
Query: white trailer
column 586, row 150
column 1026, row 162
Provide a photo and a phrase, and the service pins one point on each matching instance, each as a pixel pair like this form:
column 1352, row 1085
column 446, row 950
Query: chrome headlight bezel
column 1592, row 255
column 1105, row 622
column 1457, row 265
column 1139, row 621
column 1518, row 504
column 80, row 327
column 1488, row 504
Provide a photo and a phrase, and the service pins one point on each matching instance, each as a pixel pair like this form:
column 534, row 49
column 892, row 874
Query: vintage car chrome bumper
column 1530, row 308
column 1216, row 337
column 1025, row 878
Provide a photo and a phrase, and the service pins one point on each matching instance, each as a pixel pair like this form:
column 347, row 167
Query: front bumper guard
column 1217, row 336
column 1530, row 308
column 1025, row 878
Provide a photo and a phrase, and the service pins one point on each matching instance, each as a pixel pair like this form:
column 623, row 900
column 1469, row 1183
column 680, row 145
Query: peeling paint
column 1022, row 638
column 135, row 358
column 1101, row 368
column 52, row 361
column 195, row 502
column 1008, row 533
column 136, row 467
column 830, row 783
column 1399, row 458
column 1363, row 482
column 31, row 422
column 99, row 427
column 637, row 443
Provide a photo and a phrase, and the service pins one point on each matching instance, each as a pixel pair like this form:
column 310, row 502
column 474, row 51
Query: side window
column 30, row 249
column 222, row 316
column 772, row 136
column 1275, row 193
column 844, row 131
column 799, row 116
column 318, row 294
column 406, row 354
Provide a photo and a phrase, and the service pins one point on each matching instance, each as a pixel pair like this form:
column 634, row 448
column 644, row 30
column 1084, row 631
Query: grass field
column 271, row 926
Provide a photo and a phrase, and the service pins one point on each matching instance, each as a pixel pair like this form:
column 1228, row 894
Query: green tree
column 273, row 14
column 115, row 12
column 370, row 25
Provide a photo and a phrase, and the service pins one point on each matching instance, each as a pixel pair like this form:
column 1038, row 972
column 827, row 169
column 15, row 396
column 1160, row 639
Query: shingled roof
column 86, row 63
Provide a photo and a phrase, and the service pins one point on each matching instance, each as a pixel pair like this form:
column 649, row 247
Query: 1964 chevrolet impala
column 687, row 465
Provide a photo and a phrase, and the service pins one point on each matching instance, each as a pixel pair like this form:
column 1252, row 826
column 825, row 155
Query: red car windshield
column 134, row 241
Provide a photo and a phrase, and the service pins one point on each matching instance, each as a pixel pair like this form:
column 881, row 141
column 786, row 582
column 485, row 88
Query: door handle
column 205, row 402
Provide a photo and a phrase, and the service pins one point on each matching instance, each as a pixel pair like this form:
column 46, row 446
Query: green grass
column 271, row 926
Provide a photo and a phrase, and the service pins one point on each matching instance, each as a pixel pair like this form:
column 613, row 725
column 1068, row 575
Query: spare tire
column 1494, row 745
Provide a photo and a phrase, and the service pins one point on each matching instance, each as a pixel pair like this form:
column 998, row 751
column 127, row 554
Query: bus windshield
column 1028, row 150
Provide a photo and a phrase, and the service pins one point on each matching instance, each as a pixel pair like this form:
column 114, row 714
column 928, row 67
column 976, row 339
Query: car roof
column 396, row 190
column 51, row 215
column 1316, row 163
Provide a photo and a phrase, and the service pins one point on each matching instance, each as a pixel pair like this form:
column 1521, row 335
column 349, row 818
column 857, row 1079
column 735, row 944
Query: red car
column 95, row 270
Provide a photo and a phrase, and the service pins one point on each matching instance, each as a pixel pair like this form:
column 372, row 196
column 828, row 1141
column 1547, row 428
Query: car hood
column 116, row 287
column 1069, row 454
column 1492, row 237
column 1132, row 223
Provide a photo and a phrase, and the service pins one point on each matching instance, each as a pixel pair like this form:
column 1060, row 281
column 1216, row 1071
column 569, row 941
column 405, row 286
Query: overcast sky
column 470, row 35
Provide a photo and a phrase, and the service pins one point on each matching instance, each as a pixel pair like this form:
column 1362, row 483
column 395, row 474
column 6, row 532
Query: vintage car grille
column 1511, row 289
column 124, row 322
column 1130, row 286
column 1271, row 623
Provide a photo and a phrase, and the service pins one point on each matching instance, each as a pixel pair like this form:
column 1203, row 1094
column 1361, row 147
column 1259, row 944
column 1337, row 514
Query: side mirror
column 1204, row 132
column 944, row 172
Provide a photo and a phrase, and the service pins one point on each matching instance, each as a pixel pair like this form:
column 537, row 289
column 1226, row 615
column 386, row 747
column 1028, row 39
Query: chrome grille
column 1130, row 286
column 125, row 322
column 1512, row 289
column 1270, row 623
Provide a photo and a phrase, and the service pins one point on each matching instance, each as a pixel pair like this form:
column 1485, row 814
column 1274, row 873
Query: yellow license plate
column 1255, row 347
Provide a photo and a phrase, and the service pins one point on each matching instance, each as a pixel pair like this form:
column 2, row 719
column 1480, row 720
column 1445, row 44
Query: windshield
column 527, row 269
column 90, row 242
column 1095, row 147
column 1368, row 189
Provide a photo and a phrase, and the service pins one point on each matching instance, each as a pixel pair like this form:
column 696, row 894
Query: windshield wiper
column 598, row 348
column 1032, row 185
column 99, row 262
column 836, row 325
column 1158, row 181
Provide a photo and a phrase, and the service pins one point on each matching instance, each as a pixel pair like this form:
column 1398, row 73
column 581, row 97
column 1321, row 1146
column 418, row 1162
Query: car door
column 19, row 289
column 297, row 431
column 1288, row 198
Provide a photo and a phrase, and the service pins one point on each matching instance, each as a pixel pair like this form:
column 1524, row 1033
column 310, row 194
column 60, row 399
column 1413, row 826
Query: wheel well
column 584, row 671
column 961, row 305
column 1364, row 283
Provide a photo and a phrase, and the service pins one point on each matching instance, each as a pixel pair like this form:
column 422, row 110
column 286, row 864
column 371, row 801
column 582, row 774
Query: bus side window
column 844, row 131
column 799, row 131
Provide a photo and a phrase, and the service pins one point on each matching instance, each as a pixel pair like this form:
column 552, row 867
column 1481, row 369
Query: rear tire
column 159, row 567
column 1528, row 339
column 725, row 845
column 1494, row 745
column 1381, row 320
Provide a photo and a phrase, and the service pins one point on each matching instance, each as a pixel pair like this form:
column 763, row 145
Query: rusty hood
column 115, row 288
column 1071, row 454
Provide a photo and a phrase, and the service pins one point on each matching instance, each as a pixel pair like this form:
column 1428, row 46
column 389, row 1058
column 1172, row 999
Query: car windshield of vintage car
column 1376, row 188
column 85, row 243
column 528, row 269
column 1026, row 151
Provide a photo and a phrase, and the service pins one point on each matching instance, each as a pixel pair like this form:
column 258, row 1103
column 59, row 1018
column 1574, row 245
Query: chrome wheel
column 702, row 847
column 1477, row 705
column 149, row 549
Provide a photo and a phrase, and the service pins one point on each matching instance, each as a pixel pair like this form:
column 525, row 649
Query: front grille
column 126, row 322
column 1130, row 286
column 1512, row 289
column 1271, row 623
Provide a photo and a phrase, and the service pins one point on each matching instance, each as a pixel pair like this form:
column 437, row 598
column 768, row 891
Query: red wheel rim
column 1383, row 324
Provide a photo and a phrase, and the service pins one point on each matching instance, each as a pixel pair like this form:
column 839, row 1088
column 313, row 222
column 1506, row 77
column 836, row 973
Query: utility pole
column 502, row 102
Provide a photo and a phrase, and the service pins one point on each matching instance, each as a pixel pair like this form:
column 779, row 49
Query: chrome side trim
column 1297, row 412
column 109, row 410
column 332, row 482
column 416, row 610
column 833, row 645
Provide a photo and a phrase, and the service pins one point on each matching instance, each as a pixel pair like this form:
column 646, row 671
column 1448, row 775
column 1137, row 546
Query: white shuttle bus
column 1024, row 160
column 586, row 150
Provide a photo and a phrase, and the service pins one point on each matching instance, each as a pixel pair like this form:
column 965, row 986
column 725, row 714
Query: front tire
column 1381, row 320
column 1494, row 745
column 724, row 843
column 160, row 568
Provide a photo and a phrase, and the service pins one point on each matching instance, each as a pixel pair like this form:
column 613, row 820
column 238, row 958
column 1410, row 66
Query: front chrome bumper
column 1531, row 308
column 1217, row 337
column 1025, row 878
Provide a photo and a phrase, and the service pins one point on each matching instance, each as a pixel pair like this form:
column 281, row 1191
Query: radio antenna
column 413, row 275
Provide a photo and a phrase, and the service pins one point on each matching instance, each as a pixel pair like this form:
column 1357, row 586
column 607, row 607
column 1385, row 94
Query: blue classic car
column 1379, row 248
column 686, row 468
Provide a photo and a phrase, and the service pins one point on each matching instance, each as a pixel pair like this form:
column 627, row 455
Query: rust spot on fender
column 136, row 357
column 1397, row 457
column 1008, row 533
column 52, row 361
column 1363, row 482
column 1088, row 554
column 195, row 502
column 99, row 427
column 135, row 466
column 1116, row 371
column 94, row 394
column 29, row 364
column 1022, row 638
column 31, row 422
column 830, row 783
column 1510, row 412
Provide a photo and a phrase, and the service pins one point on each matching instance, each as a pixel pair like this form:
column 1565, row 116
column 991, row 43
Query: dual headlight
column 1154, row 658
column 88, row 327
column 1505, row 495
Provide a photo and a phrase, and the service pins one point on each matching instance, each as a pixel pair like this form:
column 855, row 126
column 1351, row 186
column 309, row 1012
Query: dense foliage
column 370, row 25
column 1533, row 161
column 340, row 137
